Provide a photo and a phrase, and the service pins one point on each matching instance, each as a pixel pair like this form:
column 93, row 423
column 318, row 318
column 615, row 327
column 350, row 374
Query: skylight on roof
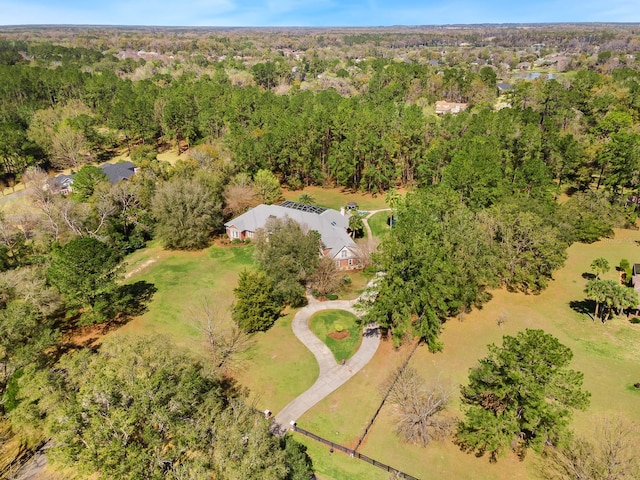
column 303, row 207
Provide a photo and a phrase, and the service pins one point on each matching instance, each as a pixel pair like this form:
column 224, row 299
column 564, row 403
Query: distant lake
column 533, row 75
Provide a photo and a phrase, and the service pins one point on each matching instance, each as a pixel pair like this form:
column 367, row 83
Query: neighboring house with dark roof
column 115, row 172
column 504, row 87
column 62, row 184
column 330, row 224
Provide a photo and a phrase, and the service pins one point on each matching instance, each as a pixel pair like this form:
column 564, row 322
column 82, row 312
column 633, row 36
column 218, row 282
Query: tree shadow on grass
column 585, row 307
column 115, row 310
column 135, row 297
column 589, row 276
column 130, row 300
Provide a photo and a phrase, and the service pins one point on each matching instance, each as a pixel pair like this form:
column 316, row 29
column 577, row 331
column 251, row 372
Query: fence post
column 352, row 453
column 386, row 395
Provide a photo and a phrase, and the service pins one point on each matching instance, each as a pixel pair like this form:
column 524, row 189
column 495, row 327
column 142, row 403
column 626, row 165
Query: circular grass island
column 339, row 330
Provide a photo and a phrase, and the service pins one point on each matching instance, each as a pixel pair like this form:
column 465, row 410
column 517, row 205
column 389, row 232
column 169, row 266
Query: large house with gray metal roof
column 330, row 224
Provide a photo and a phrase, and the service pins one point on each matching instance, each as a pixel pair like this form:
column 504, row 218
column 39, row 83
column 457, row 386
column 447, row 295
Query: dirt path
column 365, row 220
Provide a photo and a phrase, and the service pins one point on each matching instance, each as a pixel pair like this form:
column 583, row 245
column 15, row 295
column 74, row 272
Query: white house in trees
column 330, row 224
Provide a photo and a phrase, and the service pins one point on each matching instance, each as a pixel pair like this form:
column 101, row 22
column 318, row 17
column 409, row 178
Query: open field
column 335, row 198
column 325, row 323
column 276, row 369
column 607, row 354
column 185, row 280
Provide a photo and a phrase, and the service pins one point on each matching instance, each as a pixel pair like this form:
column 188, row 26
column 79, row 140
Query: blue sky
column 313, row 12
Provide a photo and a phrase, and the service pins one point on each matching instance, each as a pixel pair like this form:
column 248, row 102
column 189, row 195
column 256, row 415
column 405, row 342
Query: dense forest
column 496, row 195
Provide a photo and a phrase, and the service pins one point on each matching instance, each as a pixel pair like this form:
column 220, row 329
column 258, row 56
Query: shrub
column 143, row 153
column 338, row 327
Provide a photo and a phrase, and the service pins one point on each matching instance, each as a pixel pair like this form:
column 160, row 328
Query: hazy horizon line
column 356, row 27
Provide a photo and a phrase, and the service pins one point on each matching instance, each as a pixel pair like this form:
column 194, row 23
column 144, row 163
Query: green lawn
column 358, row 283
column 185, row 281
column 336, row 198
column 378, row 224
column 276, row 369
column 337, row 464
column 328, row 322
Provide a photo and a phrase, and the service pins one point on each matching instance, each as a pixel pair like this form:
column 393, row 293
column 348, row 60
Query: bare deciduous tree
column 366, row 248
column 238, row 199
column 41, row 191
column 224, row 340
column 69, row 147
column 420, row 408
column 326, row 279
column 29, row 284
column 83, row 220
column 608, row 454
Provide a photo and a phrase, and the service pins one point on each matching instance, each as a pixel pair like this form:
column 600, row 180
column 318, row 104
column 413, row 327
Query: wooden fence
column 384, row 399
column 353, row 453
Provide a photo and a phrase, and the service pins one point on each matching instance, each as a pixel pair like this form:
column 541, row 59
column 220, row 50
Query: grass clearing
column 184, row 281
column 275, row 370
column 20, row 203
column 278, row 368
column 330, row 325
column 171, row 156
column 379, row 225
column 337, row 197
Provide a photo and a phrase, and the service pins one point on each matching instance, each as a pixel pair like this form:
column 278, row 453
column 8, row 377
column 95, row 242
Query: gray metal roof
column 116, row 172
column 331, row 225
column 62, row 181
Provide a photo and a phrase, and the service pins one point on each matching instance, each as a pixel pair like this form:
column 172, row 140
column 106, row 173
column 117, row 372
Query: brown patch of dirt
column 88, row 336
column 84, row 336
column 339, row 335
column 141, row 267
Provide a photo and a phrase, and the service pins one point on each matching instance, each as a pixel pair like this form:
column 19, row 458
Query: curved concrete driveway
column 332, row 375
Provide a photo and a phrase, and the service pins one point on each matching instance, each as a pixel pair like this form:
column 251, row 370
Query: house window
column 351, row 261
column 234, row 234
column 250, row 234
column 338, row 263
column 344, row 254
